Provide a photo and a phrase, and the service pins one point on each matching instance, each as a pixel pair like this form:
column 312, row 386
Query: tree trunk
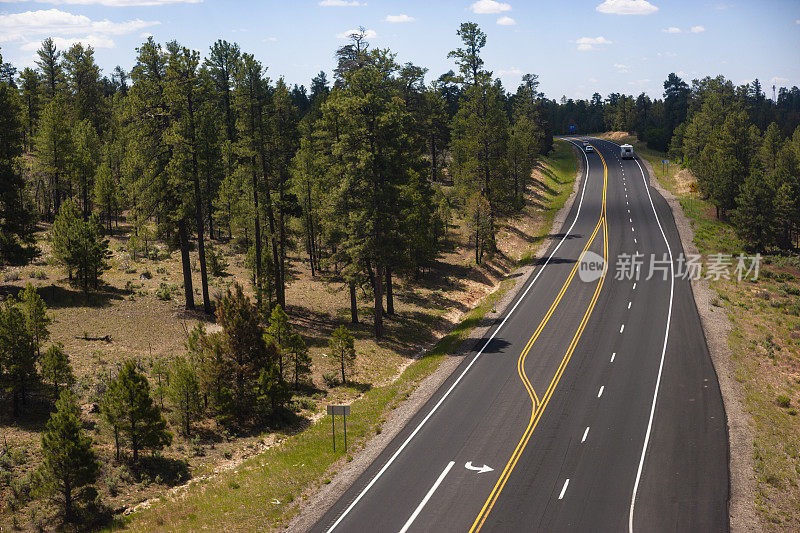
column 186, row 265
column 257, row 235
column 201, row 247
column 353, row 303
column 378, row 301
column 389, row 295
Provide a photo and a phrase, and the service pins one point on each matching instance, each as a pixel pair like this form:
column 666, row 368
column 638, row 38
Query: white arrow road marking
column 427, row 497
column 478, row 469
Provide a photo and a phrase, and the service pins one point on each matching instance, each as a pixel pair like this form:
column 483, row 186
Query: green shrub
column 164, row 292
column 331, row 379
column 783, row 401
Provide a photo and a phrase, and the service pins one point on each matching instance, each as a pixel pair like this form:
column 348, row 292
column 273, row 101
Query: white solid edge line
column 585, row 433
column 600, row 392
column 563, row 489
column 427, row 497
column 663, row 353
column 458, row 380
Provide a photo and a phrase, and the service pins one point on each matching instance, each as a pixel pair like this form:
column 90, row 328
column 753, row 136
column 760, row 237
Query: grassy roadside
column 557, row 175
column 764, row 346
column 262, row 492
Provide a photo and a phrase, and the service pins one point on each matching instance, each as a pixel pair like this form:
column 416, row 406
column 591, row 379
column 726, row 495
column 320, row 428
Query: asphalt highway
column 592, row 404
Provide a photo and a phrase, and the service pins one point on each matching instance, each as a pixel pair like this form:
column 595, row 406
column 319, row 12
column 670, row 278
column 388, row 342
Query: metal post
column 345, row 432
column 333, row 431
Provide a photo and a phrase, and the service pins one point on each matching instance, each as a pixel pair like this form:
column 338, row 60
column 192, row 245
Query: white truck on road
column 626, row 151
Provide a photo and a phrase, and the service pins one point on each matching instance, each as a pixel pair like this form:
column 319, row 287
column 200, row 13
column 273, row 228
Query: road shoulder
column 317, row 503
column 717, row 327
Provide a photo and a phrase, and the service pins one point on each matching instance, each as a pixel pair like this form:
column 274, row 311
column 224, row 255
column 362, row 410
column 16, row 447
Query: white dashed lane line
column 613, row 356
column 585, row 433
column 563, row 489
column 600, row 392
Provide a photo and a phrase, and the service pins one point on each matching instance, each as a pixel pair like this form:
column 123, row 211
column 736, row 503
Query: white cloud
column 110, row 3
column 269, row 40
column 627, row 7
column 399, row 18
column 592, row 80
column 30, row 25
column 778, row 79
column 145, row 35
column 693, row 29
column 369, row 34
column 95, row 41
column 513, row 70
column 489, row 7
column 506, row 21
column 340, row 3
column 622, row 69
column 797, row 21
column 588, row 43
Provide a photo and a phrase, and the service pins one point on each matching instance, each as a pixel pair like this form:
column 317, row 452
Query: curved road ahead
column 592, row 405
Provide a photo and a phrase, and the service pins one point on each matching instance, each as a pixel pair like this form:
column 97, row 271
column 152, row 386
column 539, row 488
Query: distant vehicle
column 626, row 151
column 588, row 147
column 585, row 144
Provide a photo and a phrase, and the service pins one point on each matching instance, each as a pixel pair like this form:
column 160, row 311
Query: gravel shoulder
column 717, row 327
column 316, row 504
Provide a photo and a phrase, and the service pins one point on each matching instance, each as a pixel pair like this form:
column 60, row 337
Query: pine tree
column 184, row 393
column 49, row 63
column 342, row 351
column 56, row 368
column 754, row 214
column 17, row 353
column 79, row 245
column 54, row 148
column 36, row 318
column 85, row 160
column 245, row 350
column 273, row 391
column 138, row 417
column 83, row 81
column 280, row 331
column 16, row 219
column 185, row 97
column 69, row 463
column 30, row 91
column 299, row 360
column 468, row 58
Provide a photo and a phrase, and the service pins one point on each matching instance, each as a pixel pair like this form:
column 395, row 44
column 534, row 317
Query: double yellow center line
column 539, row 405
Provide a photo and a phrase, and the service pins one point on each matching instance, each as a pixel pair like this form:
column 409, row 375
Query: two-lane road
column 592, row 405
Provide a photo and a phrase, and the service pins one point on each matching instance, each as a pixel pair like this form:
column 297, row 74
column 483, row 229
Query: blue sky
column 576, row 47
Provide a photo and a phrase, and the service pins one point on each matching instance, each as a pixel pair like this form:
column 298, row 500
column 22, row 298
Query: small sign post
column 342, row 410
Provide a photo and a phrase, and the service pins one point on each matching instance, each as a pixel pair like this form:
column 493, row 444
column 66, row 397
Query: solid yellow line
column 520, row 368
column 536, row 413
